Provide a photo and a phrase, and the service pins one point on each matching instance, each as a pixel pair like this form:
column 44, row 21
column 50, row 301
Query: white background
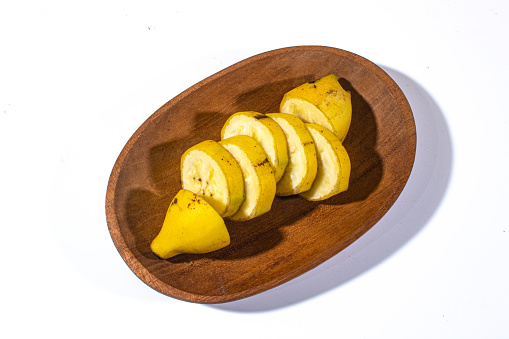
column 78, row 78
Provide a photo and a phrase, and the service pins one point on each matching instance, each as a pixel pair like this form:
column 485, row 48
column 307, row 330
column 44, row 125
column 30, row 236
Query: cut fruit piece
column 259, row 180
column 323, row 102
column 302, row 163
column 266, row 132
column 333, row 165
column 210, row 171
column 191, row 226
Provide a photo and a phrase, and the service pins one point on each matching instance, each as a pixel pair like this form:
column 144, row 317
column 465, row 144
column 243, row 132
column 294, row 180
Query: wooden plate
column 296, row 235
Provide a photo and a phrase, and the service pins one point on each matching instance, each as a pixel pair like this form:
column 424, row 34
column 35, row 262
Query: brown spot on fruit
column 262, row 163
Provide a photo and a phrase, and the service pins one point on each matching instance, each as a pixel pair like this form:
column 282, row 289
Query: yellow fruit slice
column 323, row 102
column 210, row 171
column 191, row 226
column 266, row 132
column 259, row 180
column 333, row 165
column 302, row 164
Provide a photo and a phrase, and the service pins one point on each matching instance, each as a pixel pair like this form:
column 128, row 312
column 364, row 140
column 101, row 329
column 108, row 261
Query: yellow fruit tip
column 164, row 256
column 158, row 257
column 153, row 248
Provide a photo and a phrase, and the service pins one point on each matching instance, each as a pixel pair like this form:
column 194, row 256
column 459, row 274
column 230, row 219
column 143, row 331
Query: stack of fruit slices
column 260, row 156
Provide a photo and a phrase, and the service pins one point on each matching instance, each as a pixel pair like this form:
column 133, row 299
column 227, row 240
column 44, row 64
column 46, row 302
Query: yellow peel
column 259, row 180
column 333, row 165
column 302, row 163
column 210, row 171
column 322, row 102
column 263, row 130
column 191, row 226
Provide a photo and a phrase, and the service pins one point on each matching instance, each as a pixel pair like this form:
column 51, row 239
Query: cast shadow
column 413, row 209
column 360, row 142
column 266, row 98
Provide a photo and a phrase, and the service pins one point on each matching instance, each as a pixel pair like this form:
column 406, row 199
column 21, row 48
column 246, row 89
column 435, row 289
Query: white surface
column 76, row 80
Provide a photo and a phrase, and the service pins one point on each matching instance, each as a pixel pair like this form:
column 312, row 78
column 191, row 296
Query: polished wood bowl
column 296, row 235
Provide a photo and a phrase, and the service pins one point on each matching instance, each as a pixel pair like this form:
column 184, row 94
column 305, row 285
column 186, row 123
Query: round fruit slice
column 323, row 102
column 259, row 180
column 210, row 171
column 333, row 165
column 266, row 132
column 192, row 226
column 302, row 163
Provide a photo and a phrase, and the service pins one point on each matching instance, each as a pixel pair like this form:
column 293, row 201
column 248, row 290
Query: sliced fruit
column 191, row 226
column 323, row 102
column 210, row 171
column 259, row 180
column 302, row 163
column 333, row 165
column 266, row 132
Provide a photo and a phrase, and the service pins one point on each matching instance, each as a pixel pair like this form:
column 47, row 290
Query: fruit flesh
column 251, row 182
column 259, row 180
column 302, row 163
column 263, row 130
column 210, row 171
column 333, row 165
column 307, row 112
column 327, row 177
column 204, row 177
column 322, row 102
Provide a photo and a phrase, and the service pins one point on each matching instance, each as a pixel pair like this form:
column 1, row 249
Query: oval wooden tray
column 296, row 235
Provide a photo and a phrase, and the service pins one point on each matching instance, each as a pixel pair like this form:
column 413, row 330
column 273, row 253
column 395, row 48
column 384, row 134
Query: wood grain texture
column 296, row 235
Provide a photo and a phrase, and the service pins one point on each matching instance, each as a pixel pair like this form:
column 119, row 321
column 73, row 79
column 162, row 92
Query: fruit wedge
column 302, row 164
column 323, row 102
column 210, row 171
column 191, row 226
column 266, row 132
column 333, row 165
column 259, row 180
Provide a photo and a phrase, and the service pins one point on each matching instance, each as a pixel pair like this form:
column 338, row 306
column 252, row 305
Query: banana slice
column 266, row 132
column 302, row 164
column 259, row 180
column 211, row 172
column 323, row 102
column 333, row 165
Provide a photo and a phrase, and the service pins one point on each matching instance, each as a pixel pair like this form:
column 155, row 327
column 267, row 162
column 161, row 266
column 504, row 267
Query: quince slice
column 302, row 163
column 259, row 180
column 265, row 131
column 210, row 171
column 333, row 165
column 323, row 102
